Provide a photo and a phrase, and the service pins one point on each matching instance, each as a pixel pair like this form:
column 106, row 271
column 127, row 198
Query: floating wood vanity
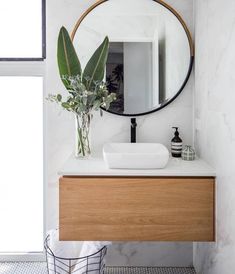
column 172, row 204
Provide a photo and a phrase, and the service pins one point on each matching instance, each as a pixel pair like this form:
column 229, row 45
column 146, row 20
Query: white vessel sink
column 135, row 155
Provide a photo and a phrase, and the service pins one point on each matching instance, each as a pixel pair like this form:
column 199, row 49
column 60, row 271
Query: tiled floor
column 149, row 270
column 40, row 268
column 23, row 268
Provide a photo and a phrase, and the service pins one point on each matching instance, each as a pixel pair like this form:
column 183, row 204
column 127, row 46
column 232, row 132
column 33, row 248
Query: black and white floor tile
column 40, row 268
column 149, row 270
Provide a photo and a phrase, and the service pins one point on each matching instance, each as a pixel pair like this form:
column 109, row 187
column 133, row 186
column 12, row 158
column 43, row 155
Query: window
column 22, row 26
column 21, row 146
column 22, row 53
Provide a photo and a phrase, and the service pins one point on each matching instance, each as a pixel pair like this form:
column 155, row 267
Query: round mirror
column 150, row 55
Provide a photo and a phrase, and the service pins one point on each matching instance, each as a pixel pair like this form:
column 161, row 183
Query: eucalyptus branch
column 81, row 100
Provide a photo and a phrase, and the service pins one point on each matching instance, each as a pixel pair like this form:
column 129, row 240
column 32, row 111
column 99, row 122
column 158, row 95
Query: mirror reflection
column 149, row 57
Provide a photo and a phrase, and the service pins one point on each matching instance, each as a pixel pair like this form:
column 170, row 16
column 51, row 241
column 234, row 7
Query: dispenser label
column 176, row 148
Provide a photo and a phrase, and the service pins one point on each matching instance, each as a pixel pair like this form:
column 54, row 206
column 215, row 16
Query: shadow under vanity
column 150, row 60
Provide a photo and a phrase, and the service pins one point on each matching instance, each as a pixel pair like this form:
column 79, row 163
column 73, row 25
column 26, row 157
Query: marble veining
column 149, row 253
column 215, row 138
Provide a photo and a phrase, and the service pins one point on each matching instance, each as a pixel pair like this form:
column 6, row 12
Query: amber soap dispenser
column 176, row 144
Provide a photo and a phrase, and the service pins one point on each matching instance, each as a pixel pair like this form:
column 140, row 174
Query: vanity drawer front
column 137, row 209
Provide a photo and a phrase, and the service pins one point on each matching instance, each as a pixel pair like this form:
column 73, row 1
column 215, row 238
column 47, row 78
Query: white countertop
column 95, row 166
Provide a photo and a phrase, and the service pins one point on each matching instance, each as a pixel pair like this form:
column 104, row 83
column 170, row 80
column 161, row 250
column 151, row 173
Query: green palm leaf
column 67, row 58
column 95, row 68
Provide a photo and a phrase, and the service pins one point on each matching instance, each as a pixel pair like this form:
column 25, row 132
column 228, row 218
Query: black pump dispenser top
column 176, row 144
column 176, row 132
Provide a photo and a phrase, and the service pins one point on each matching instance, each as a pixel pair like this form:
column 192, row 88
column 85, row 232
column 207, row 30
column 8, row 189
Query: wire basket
column 93, row 263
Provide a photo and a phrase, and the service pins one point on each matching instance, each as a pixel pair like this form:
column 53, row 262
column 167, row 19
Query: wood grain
column 137, row 209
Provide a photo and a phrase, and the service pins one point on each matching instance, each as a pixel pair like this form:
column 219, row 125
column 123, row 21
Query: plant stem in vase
column 82, row 149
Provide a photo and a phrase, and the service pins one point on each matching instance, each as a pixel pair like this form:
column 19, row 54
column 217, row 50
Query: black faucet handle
column 133, row 123
column 133, row 130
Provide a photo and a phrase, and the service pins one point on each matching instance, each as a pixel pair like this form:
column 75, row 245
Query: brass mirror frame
column 190, row 41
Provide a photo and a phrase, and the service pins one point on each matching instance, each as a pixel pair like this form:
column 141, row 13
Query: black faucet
column 133, row 130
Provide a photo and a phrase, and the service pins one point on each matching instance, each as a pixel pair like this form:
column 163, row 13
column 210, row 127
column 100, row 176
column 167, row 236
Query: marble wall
column 215, row 124
column 59, row 135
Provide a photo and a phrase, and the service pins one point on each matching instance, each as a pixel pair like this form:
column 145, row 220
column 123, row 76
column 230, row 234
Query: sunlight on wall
column 21, row 154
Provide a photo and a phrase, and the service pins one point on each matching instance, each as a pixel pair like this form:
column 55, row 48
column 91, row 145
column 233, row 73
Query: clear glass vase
column 82, row 146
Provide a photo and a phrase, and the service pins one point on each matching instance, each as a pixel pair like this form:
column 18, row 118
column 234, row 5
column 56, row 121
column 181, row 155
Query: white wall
column 137, row 77
column 175, row 57
column 215, row 124
column 151, row 128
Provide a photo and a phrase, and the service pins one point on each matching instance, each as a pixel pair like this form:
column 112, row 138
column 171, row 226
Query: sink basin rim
column 136, row 146
column 117, row 156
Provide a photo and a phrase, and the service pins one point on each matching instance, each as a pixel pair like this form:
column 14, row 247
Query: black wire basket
column 93, row 263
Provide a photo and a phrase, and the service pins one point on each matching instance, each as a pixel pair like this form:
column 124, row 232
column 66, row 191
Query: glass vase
column 82, row 146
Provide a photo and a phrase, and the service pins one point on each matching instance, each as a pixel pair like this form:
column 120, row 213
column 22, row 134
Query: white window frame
column 34, row 67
